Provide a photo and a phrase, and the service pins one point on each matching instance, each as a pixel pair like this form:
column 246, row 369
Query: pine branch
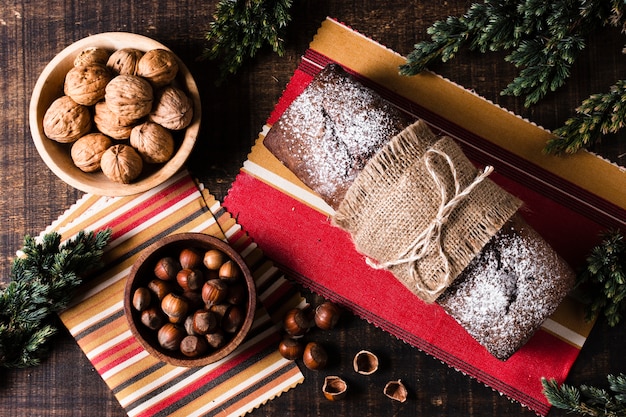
column 242, row 27
column 597, row 115
column 43, row 278
column 588, row 400
column 544, row 38
column 604, row 278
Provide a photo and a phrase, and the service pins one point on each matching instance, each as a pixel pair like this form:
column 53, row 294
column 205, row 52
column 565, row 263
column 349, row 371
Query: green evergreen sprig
column 543, row 40
column 589, row 400
column 242, row 27
column 604, row 278
column 42, row 281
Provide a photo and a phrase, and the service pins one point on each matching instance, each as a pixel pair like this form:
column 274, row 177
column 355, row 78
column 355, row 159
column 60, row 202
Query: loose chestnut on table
column 182, row 324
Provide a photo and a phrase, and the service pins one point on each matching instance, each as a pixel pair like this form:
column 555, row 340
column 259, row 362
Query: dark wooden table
column 31, row 197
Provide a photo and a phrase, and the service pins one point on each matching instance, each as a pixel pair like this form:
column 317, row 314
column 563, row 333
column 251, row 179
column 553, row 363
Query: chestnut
column 170, row 335
column 190, row 258
column 327, row 315
column 213, row 259
column 190, row 279
column 175, row 307
column 296, row 322
column 166, row 268
column 193, row 346
column 314, row 356
column 290, row 348
column 141, row 298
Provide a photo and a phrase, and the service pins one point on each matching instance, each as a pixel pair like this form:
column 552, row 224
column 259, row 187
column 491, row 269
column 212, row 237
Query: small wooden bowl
column 56, row 155
column 142, row 272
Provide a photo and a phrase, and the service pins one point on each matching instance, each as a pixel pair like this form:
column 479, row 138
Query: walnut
column 87, row 151
column 110, row 123
column 159, row 66
column 121, row 163
column 129, row 96
column 124, row 61
column 65, row 120
column 154, row 143
column 172, row 109
column 86, row 84
column 91, row 55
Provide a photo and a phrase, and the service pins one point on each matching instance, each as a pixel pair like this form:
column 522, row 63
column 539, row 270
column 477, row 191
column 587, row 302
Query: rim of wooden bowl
column 145, row 263
column 49, row 86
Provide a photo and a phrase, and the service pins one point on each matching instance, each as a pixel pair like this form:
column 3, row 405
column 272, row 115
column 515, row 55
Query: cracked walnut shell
column 159, row 66
column 87, row 151
column 172, row 109
column 121, row 163
column 86, row 84
column 129, row 96
column 154, row 143
column 65, row 120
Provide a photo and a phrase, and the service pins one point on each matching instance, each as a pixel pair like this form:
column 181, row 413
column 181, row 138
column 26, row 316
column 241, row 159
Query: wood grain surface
column 31, row 196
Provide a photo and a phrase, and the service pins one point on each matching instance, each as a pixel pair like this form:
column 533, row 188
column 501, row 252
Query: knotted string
column 433, row 233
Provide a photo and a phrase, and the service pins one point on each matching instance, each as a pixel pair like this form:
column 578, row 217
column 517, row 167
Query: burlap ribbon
column 423, row 211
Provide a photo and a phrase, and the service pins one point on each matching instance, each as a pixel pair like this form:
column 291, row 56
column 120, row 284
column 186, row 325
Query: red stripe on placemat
column 192, row 388
column 302, row 240
column 119, row 360
column 160, row 201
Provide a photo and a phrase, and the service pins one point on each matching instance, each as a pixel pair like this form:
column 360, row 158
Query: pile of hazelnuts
column 297, row 322
column 195, row 303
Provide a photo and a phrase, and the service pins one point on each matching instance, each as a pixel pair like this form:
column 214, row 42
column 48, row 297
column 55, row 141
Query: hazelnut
column 213, row 259
column 327, row 315
column 91, row 55
column 188, row 325
column 160, row 288
column 365, row 362
column 170, row 335
column 296, row 322
column 172, row 108
column 121, row 163
column 229, row 271
column 190, row 258
column 233, row 319
column 87, row 151
column 141, row 298
column 193, row 346
column 204, row 321
column 214, row 291
column 334, row 388
column 166, row 268
column 175, row 307
column 86, row 84
column 65, row 120
column 190, row 279
column 110, row 123
column 396, row 391
column 216, row 339
column 153, row 318
column 154, row 143
column 159, row 66
column 124, row 61
column 237, row 293
column 129, row 96
column 290, row 348
column 314, row 356
column 195, row 300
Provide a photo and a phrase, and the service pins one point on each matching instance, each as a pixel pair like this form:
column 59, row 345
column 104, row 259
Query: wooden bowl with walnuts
column 190, row 299
column 115, row 114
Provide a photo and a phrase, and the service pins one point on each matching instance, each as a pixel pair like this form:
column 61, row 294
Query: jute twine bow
column 432, row 235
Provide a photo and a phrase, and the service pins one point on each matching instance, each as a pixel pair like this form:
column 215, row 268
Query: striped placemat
column 254, row 374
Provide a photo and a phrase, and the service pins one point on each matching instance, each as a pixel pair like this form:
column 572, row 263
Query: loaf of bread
column 516, row 281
